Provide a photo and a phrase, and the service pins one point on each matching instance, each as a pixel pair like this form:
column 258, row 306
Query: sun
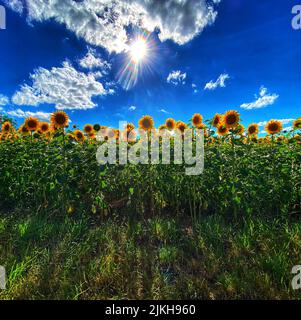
column 138, row 50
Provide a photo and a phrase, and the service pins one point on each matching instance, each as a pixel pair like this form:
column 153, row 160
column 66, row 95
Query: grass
column 158, row 258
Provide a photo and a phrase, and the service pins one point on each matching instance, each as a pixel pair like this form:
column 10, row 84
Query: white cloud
column 15, row 5
column 64, row 87
column 283, row 121
column 104, row 22
column 287, row 129
column 132, row 108
column 19, row 113
column 3, row 100
column 176, row 77
column 92, row 61
column 164, row 111
column 265, row 99
column 219, row 83
column 195, row 88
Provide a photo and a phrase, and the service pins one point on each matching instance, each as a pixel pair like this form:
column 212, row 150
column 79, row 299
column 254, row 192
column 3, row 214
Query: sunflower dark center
column 273, row 127
column 252, row 130
column 60, row 119
column 146, row 123
column 216, row 120
column 231, row 119
column 32, row 124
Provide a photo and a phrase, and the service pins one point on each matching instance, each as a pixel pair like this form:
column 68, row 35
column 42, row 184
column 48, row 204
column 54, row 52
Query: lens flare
column 138, row 50
column 139, row 58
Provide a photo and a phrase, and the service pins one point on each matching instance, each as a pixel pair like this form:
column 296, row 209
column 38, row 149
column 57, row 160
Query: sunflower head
column 59, row 119
column 297, row 124
column 6, row 126
column 44, row 127
column 202, row 126
column 170, row 124
column 222, row 130
column 70, row 136
column 231, row 119
column 79, row 135
column 273, row 127
column 88, row 128
column 23, row 130
column 31, row 124
column 216, row 121
column 162, row 127
column 197, row 120
column 146, row 123
column 181, row 126
column 96, row 127
column 129, row 127
column 239, row 130
column 92, row 135
column 253, row 129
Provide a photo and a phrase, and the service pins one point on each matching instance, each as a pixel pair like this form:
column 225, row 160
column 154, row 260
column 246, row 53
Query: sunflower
column 239, row 130
column 59, row 119
column 53, row 128
column 70, row 136
column 96, row 127
column 253, row 129
column 23, row 130
column 31, row 124
column 297, row 137
column 117, row 133
column 297, row 124
column 273, row 127
column 74, row 126
column 181, row 126
column 92, row 135
column 216, row 120
column 88, row 128
column 146, row 123
column 79, row 135
column 197, row 120
column 170, row 124
column 231, row 119
column 6, row 126
column 162, row 127
column 222, row 130
column 44, row 127
column 202, row 126
column 129, row 127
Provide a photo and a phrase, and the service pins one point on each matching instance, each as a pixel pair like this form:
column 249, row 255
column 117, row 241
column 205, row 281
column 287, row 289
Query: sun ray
column 140, row 56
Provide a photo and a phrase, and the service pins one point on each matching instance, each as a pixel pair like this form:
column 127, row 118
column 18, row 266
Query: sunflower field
column 73, row 229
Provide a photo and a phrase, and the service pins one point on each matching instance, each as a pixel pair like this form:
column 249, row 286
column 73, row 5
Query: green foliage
column 71, row 229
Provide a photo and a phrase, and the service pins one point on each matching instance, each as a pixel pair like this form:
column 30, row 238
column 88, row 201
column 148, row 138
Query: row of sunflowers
column 225, row 125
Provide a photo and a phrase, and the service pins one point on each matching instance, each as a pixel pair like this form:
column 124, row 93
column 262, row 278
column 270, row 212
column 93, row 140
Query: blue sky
column 206, row 58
